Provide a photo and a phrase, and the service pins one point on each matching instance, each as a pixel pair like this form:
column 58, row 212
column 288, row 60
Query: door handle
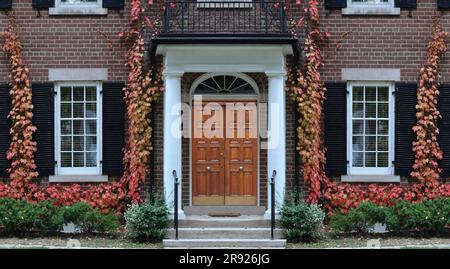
column 208, row 168
column 241, row 168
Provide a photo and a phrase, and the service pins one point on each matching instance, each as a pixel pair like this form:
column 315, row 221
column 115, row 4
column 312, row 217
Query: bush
column 302, row 221
column 147, row 221
column 90, row 219
column 427, row 218
column 361, row 219
column 19, row 218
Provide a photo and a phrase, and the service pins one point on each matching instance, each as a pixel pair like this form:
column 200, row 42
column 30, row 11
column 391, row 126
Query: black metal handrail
column 272, row 204
column 175, row 193
column 224, row 17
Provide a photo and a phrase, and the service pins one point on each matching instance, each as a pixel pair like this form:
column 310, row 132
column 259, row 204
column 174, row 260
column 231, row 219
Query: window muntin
column 224, row 84
column 370, row 129
column 78, row 124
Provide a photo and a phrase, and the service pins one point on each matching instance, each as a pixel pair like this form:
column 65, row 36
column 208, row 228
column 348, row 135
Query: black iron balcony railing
column 224, row 17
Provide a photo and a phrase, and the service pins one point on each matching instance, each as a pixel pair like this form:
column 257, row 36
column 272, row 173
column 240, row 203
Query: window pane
column 370, row 159
column 78, row 159
column 91, row 159
column 382, row 143
column 383, row 127
column 91, row 110
column 358, row 127
column 66, row 143
column 371, row 94
column 78, row 143
column 383, row 94
column 66, row 159
column 91, row 143
column 78, row 110
column 66, row 94
column 78, row 126
column 358, row 94
column 358, row 143
column 91, row 93
column 358, row 109
column 78, row 93
column 383, row 110
column 66, row 110
column 91, row 127
column 371, row 143
column 371, row 110
column 382, row 159
column 66, row 127
column 358, row 159
column 371, row 127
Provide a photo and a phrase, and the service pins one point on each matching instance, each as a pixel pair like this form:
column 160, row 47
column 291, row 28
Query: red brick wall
column 67, row 42
column 381, row 41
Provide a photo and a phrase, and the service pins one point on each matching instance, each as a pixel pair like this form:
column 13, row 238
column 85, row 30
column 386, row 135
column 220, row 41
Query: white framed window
column 370, row 3
column 78, row 128
column 371, row 7
column 78, row 3
column 370, row 128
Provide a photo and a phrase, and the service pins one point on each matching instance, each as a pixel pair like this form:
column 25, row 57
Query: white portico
column 224, row 59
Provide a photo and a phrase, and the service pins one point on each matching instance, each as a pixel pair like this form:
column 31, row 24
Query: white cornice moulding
column 78, row 74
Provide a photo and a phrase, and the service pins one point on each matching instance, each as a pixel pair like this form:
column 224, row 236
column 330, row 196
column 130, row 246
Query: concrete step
column 223, row 233
column 218, row 210
column 224, row 243
column 205, row 221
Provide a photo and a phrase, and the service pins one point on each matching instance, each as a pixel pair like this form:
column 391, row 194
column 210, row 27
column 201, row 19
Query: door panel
column 224, row 169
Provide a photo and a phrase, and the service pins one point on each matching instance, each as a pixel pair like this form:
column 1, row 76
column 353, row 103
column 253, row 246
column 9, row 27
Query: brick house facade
column 375, row 46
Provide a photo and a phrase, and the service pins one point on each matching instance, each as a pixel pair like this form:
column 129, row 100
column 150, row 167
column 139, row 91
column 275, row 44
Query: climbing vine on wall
column 22, row 147
column 305, row 87
column 142, row 89
column 426, row 147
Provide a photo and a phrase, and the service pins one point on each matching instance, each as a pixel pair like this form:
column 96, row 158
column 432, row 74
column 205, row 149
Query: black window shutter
column 6, row 4
column 43, row 4
column 405, row 119
column 335, row 4
column 406, row 4
column 336, row 128
column 113, row 128
column 5, row 140
column 114, row 4
column 44, row 119
column 444, row 128
column 443, row 4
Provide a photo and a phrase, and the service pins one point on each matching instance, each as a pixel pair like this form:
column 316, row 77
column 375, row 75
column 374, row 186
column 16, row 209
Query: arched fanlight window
column 224, row 84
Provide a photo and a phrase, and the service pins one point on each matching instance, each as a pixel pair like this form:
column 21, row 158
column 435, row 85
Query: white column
column 172, row 139
column 276, row 151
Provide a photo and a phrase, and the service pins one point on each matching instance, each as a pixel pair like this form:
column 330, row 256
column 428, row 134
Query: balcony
column 209, row 21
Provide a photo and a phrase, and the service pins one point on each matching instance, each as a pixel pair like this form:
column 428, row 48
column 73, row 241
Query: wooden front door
column 224, row 153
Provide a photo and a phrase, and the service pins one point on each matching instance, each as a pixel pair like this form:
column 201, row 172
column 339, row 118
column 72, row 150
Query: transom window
column 370, row 130
column 224, row 84
column 78, row 133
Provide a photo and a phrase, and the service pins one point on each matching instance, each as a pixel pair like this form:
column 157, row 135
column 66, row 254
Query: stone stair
column 237, row 231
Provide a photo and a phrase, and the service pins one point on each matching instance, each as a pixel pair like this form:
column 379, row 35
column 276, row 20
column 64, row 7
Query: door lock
column 208, row 168
column 241, row 168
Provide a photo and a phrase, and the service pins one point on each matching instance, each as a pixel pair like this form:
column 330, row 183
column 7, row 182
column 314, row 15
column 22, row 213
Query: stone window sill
column 77, row 11
column 77, row 178
column 371, row 178
column 371, row 11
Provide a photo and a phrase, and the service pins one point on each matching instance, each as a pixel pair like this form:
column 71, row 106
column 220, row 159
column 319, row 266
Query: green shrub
column 90, row 219
column 361, row 219
column 302, row 221
column 427, row 218
column 148, row 221
column 20, row 218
